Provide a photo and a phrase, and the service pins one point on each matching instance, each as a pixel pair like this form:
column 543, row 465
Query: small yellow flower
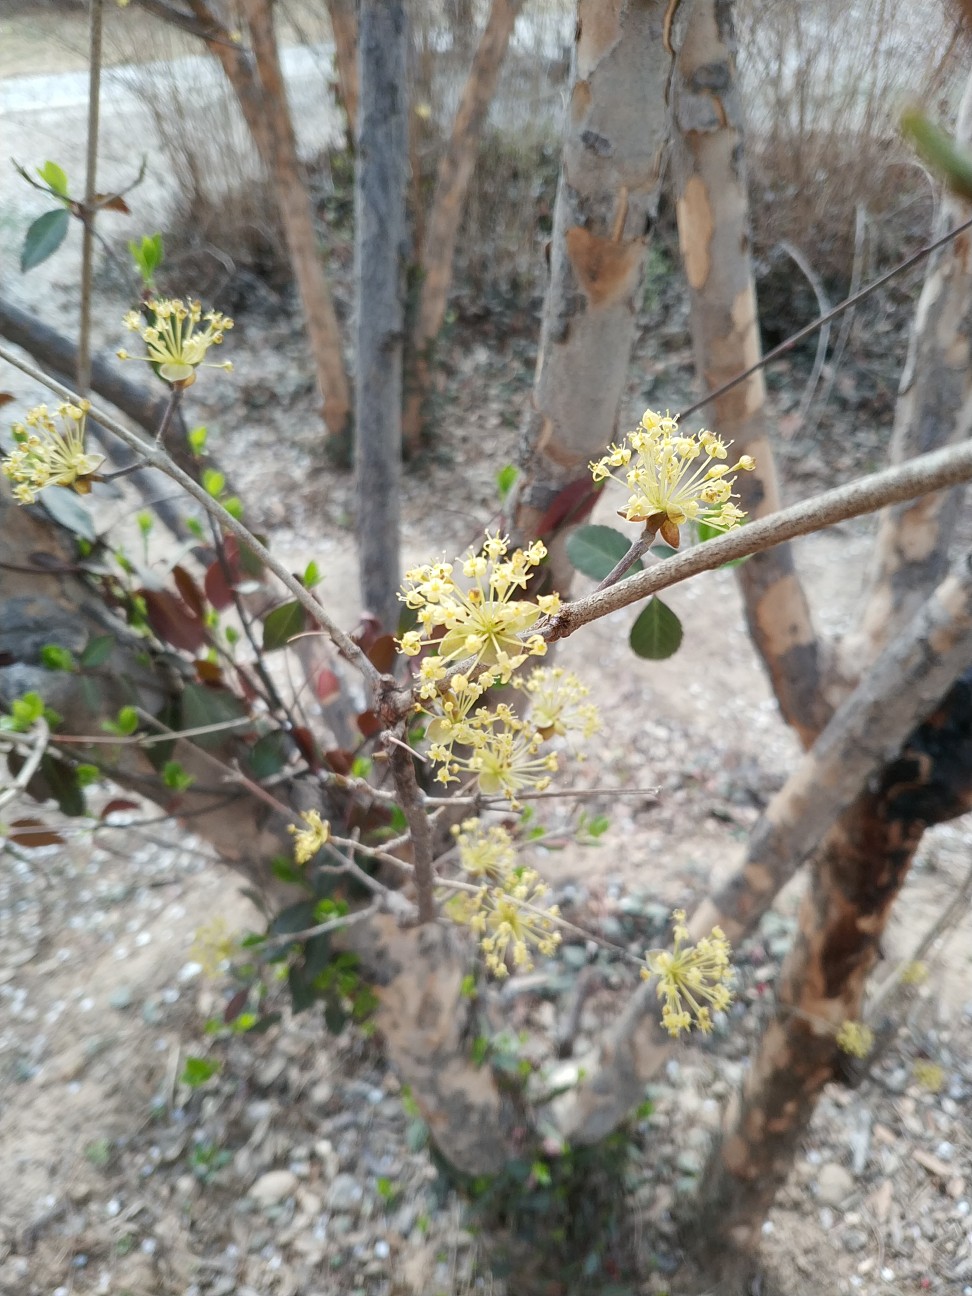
column 692, row 979
column 484, row 622
column 914, row 974
column 668, row 487
column 174, row 340
column 557, row 703
column 212, row 946
column 510, row 920
column 485, row 854
column 929, row 1075
column 308, row 841
column 855, row 1038
column 49, row 451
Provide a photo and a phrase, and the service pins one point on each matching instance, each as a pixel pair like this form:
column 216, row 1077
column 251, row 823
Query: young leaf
column 505, row 478
column 43, row 238
column 54, row 178
column 657, row 632
column 597, row 550
column 197, row 1071
column 55, row 658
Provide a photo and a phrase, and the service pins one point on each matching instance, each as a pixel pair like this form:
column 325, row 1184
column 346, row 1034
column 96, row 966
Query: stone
column 344, row 1194
column 834, row 1184
column 273, row 1187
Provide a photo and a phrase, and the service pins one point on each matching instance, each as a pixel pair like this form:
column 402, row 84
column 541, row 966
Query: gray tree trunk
column 381, row 177
column 615, row 135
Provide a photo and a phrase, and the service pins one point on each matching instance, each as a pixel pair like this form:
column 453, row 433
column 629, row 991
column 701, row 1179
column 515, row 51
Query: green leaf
column 280, row 625
column 43, row 238
column 597, row 550
column 54, row 177
column 63, row 785
column 657, row 632
column 942, row 153
column 505, row 478
column 55, row 658
column 125, row 724
column 197, row 1071
column 97, row 651
column 87, row 775
column 197, row 440
column 147, row 255
column 268, row 756
column 175, row 777
column 202, row 706
column 67, row 510
column 311, row 576
column 214, row 482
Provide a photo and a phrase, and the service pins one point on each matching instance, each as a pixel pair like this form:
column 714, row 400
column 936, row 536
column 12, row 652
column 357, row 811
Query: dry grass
column 824, row 85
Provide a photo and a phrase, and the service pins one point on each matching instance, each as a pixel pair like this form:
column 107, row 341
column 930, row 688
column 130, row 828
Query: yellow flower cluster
column 212, row 947
column 507, row 912
column 674, row 478
column 483, row 622
column 557, row 703
column 855, row 1038
column 692, row 979
column 49, row 451
column 929, row 1075
column 308, row 841
column 174, row 340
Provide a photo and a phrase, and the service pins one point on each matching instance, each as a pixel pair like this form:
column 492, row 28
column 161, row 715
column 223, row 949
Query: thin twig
column 332, row 924
column 812, row 327
column 823, row 306
column 37, row 739
column 90, row 192
column 172, row 404
column 410, row 801
column 155, row 457
column 638, row 548
column 915, row 477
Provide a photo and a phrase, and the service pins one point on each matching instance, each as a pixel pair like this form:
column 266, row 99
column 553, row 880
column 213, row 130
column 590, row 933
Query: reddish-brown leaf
column 5, row 399
column 327, row 686
column 307, row 747
column 369, row 724
column 571, row 504
column 33, row 832
column 382, row 653
column 173, row 621
column 208, row 672
column 235, row 1006
column 340, row 762
column 216, row 586
column 112, row 202
column 190, row 591
column 367, row 631
column 117, row 806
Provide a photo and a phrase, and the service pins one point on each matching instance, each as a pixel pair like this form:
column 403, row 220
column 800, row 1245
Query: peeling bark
column 713, row 225
column 427, row 1024
column 260, row 91
column 448, row 203
column 344, row 28
column 904, row 686
column 607, row 198
column 855, row 880
column 934, row 409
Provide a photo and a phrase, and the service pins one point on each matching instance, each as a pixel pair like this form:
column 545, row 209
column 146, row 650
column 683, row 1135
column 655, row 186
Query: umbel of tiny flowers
column 673, row 478
column 49, row 451
column 308, row 841
column 175, row 339
column 855, row 1038
column 557, row 704
column 692, row 979
column 507, row 913
column 483, row 622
